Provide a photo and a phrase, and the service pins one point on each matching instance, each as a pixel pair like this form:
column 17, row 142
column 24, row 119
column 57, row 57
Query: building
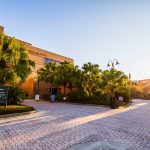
column 40, row 57
column 145, row 84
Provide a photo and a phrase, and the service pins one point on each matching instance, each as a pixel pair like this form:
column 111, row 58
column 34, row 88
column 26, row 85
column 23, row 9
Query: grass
column 15, row 109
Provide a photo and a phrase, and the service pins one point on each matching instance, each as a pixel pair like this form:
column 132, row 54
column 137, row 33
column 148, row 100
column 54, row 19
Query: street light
column 37, row 95
column 129, row 76
column 130, row 86
column 112, row 63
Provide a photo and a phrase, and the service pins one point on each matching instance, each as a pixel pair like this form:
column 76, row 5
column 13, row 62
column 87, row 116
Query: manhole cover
column 101, row 146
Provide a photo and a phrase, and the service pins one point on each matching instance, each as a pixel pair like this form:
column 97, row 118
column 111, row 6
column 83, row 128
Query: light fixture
column 117, row 63
column 108, row 65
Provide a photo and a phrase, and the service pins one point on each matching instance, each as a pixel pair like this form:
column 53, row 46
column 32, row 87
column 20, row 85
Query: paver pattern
column 58, row 126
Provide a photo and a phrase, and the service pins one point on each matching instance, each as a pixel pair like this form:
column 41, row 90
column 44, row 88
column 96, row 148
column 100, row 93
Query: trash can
column 37, row 97
column 53, row 98
column 113, row 103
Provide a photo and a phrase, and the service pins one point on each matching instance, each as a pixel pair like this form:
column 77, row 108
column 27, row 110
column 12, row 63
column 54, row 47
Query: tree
column 136, row 90
column 66, row 74
column 15, row 65
column 48, row 74
column 114, row 80
column 91, row 77
column 78, row 78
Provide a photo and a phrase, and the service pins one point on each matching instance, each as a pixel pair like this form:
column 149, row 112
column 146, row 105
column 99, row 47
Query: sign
column 4, row 94
column 121, row 98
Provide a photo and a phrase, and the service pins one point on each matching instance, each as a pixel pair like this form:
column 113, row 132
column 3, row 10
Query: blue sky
column 85, row 30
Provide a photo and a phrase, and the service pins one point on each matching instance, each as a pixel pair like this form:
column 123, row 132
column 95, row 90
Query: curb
column 17, row 114
column 106, row 106
column 120, row 107
column 84, row 104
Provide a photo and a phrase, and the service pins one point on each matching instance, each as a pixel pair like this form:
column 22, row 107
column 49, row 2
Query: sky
column 85, row 30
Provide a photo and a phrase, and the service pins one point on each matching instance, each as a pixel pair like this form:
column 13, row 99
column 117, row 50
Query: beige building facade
column 40, row 57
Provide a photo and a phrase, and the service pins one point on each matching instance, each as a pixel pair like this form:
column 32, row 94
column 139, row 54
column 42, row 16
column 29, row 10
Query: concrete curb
column 17, row 114
column 107, row 106
column 84, row 104
column 120, row 107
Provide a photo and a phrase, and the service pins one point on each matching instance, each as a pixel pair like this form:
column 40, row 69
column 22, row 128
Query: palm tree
column 15, row 65
column 66, row 74
column 78, row 78
column 48, row 74
column 114, row 80
column 91, row 77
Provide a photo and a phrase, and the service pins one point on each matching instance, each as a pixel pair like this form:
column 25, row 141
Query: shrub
column 125, row 93
column 77, row 96
column 15, row 109
column 59, row 97
column 145, row 96
column 16, row 95
column 81, row 97
column 45, row 97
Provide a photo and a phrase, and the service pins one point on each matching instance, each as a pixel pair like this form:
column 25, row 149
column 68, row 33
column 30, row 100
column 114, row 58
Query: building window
column 47, row 60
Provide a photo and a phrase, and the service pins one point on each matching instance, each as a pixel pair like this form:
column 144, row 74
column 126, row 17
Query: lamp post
column 37, row 95
column 130, row 86
column 130, row 78
column 112, row 64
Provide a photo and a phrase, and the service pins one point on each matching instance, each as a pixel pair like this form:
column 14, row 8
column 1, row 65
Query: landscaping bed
column 11, row 109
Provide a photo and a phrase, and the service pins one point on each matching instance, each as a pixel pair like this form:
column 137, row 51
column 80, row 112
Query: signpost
column 4, row 95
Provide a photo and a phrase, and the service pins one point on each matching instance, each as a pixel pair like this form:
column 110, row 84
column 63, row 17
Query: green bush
column 145, row 96
column 125, row 93
column 16, row 95
column 77, row 96
column 15, row 109
column 58, row 97
column 45, row 97
column 81, row 97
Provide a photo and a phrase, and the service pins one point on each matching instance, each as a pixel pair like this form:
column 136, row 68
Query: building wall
column 39, row 56
column 1, row 29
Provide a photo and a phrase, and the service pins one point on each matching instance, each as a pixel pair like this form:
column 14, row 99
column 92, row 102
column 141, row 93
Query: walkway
column 58, row 126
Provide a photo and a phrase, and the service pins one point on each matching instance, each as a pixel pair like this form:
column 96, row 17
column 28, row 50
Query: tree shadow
column 65, row 129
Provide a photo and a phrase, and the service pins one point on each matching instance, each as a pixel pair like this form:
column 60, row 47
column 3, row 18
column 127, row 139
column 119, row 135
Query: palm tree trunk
column 64, row 89
column 50, row 89
column 70, row 87
column 38, row 86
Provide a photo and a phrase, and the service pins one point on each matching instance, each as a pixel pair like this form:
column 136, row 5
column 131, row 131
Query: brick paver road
column 58, row 126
